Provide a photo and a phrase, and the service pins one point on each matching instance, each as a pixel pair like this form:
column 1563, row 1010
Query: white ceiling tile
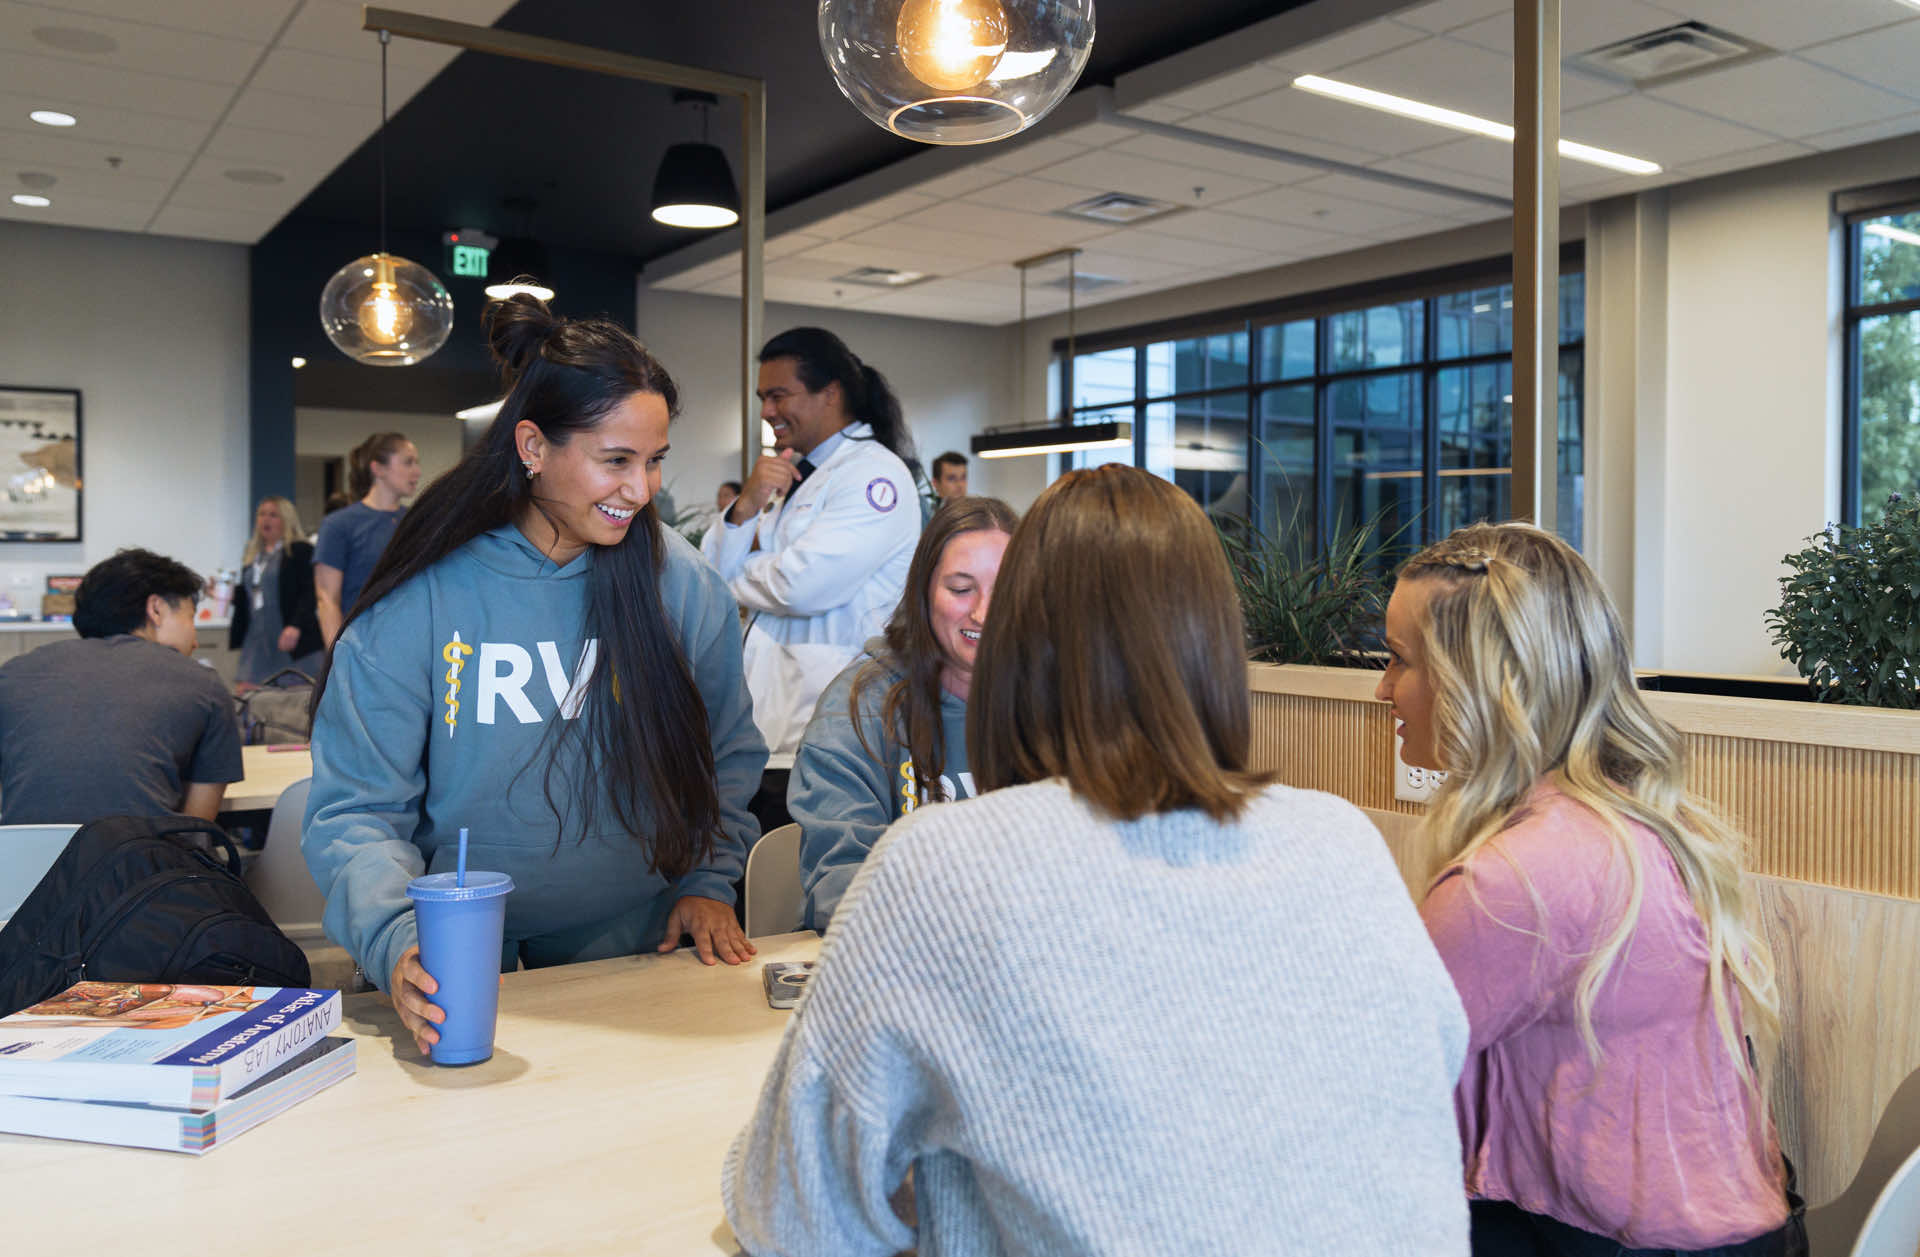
column 207, row 187
column 148, row 49
column 1583, row 27
column 898, row 205
column 1885, row 58
column 251, row 146
column 1444, row 15
column 806, row 268
column 1489, row 165
column 302, row 115
column 1348, row 46
column 929, row 241
column 719, row 288
column 205, row 224
column 1041, row 196
column 1156, row 111
column 844, row 224
column 1488, row 174
column 333, row 28
column 845, row 256
column 44, row 146
column 1785, row 97
column 1174, row 250
column 959, row 182
column 1461, row 76
column 911, row 305
column 790, row 243
column 1373, row 192
column 1847, row 137
column 810, row 292
column 1225, row 89
column 1354, row 133
column 1243, row 233
column 1036, row 231
column 1031, row 154
column 128, row 90
column 1095, row 134
column 1133, row 269
column 80, row 211
column 106, row 125
column 1643, row 126
column 1788, row 24
column 99, row 182
column 1301, row 207
column 254, row 21
column 1111, row 171
column 1205, row 156
column 1765, row 155
column 347, row 80
column 1280, row 141
column 727, row 268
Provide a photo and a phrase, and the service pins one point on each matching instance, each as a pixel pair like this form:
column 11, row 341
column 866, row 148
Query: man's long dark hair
column 820, row 358
column 910, row 708
column 643, row 729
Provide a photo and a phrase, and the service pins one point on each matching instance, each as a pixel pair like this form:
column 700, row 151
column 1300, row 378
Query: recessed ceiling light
column 38, row 180
column 31, row 201
column 298, row 363
column 52, row 118
column 254, row 175
column 1420, row 111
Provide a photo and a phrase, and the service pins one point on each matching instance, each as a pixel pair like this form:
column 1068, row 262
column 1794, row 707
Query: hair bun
column 517, row 328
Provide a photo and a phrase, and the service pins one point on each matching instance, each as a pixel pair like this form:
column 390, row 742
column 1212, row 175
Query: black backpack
column 139, row 899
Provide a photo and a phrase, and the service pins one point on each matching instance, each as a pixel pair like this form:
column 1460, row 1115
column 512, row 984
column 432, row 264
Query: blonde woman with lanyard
column 1591, row 913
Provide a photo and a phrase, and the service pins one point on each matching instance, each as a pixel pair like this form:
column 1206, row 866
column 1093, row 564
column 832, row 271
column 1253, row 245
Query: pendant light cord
column 384, row 37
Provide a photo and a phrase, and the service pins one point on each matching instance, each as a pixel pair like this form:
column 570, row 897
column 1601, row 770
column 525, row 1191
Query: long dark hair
column 910, row 710
column 643, row 725
column 377, row 448
column 820, row 358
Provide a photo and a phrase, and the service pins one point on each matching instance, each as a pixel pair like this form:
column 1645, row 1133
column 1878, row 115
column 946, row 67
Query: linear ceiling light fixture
column 1887, row 231
column 1052, row 438
column 1420, row 111
column 380, row 309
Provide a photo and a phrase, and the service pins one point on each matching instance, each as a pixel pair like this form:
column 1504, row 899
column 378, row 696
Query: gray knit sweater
column 1090, row 1037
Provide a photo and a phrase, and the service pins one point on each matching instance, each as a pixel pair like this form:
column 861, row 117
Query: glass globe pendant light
column 380, row 309
column 956, row 71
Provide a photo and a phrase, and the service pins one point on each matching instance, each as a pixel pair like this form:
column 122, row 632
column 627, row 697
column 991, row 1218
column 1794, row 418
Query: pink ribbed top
column 1657, row 1148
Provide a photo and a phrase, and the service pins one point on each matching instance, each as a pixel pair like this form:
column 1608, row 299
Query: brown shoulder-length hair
column 910, row 709
column 1115, row 656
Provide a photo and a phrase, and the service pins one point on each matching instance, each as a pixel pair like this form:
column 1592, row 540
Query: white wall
column 953, row 380
column 153, row 332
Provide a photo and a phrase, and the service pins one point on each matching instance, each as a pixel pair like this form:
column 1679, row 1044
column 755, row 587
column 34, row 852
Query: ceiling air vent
column 1670, row 53
column 1083, row 281
column 1118, row 208
column 881, row 277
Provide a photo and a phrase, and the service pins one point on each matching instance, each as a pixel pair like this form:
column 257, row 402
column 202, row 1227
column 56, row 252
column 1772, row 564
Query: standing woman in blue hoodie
column 536, row 659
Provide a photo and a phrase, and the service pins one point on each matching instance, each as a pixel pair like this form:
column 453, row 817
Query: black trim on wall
column 1876, row 199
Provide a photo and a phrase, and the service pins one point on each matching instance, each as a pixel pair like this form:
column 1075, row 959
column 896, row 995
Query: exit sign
column 469, row 252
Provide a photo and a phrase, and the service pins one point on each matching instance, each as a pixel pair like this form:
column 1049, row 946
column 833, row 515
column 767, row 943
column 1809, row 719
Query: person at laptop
column 119, row 721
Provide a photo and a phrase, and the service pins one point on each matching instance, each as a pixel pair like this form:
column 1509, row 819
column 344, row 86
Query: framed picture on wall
column 39, row 464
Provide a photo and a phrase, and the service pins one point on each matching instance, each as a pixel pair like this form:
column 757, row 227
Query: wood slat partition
column 1824, row 794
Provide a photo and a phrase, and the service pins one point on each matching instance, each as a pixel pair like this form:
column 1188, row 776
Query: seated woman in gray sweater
column 890, row 732
column 1134, row 998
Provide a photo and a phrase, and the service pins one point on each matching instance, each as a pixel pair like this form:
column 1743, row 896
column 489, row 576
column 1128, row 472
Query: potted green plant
column 1849, row 614
column 1308, row 605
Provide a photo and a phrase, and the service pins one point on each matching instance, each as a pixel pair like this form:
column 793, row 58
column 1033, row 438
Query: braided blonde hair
column 1532, row 677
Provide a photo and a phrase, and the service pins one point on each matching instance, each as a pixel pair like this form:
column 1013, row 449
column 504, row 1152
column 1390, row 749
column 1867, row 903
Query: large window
column 1883, row 360
column 1320, row 417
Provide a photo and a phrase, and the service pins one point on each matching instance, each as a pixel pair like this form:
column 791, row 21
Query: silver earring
column 529, row 467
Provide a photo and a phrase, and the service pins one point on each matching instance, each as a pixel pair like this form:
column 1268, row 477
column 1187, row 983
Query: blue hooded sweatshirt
column 435, row 716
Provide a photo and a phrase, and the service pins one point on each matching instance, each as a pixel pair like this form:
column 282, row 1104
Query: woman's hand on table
column 716, row 931
column 409, row 987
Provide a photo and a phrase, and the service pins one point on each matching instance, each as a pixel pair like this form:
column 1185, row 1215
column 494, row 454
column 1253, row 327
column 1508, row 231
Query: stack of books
column 176, row 1067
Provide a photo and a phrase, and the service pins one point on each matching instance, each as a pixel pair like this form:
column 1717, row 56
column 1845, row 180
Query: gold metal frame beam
column 1536, row 261
column 752, row 94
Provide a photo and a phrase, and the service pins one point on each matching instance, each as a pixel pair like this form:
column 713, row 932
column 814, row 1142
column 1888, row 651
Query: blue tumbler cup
column 460, row 932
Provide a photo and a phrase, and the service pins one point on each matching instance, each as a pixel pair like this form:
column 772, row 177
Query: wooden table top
column 598, row 1127
column 268, row 773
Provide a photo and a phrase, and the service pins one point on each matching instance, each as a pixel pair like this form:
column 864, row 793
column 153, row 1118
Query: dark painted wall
column 293, row 263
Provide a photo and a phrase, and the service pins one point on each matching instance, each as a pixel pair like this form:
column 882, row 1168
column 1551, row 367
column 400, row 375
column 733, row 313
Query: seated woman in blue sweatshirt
column 890, row 732
column 1134, row 998
column 537, row 659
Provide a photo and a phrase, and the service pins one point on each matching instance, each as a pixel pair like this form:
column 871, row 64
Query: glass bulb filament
column 385, row 317
column 952, row 45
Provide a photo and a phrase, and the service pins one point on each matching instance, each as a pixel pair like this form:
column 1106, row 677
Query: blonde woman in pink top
column 1592, row 916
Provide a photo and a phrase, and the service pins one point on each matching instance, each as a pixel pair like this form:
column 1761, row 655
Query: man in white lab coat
column 816, row 546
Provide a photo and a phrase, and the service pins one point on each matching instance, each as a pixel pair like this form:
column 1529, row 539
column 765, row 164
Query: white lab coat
column 830, row 569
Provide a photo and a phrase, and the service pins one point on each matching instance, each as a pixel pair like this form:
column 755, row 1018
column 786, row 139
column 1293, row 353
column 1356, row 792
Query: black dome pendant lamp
column 694, row 187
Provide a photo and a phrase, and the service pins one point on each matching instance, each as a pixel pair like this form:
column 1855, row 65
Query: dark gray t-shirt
column 110, row 726
column 351, row 539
